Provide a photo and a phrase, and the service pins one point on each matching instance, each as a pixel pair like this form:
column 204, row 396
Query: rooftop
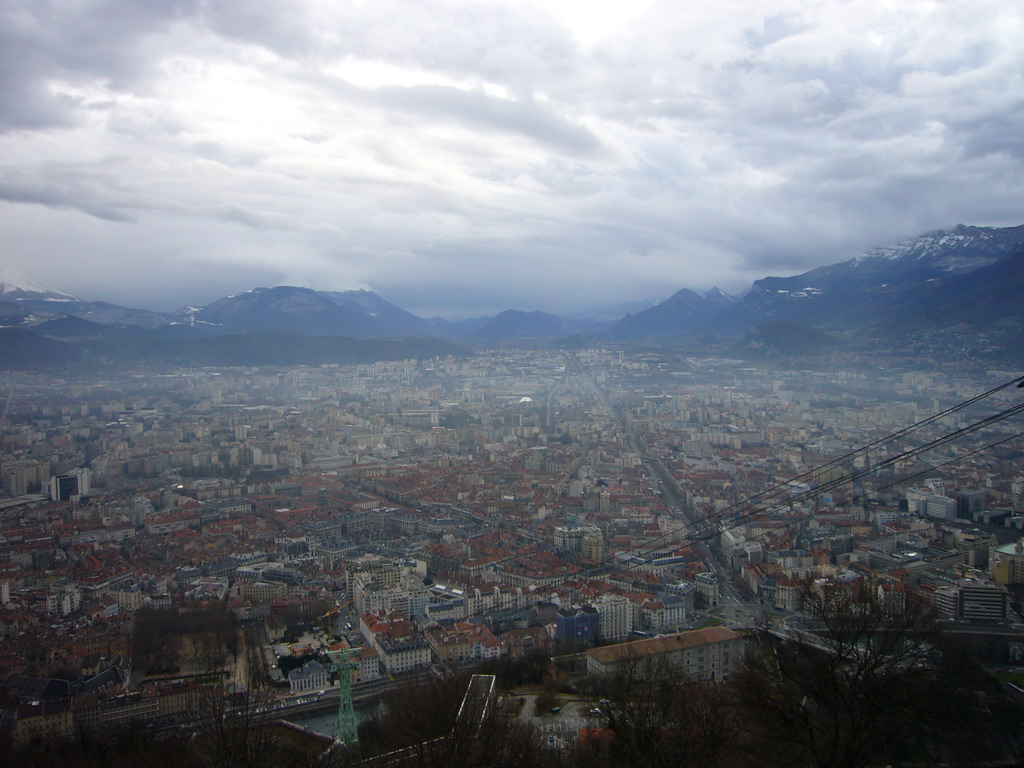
column 611, row 654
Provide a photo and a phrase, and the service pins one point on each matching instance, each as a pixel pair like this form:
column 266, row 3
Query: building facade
column 714, row 653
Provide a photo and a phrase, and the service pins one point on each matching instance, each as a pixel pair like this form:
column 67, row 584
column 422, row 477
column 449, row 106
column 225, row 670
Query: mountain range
column 683, row 311
column 906, row 284
column 954, row 284
column 943, row 289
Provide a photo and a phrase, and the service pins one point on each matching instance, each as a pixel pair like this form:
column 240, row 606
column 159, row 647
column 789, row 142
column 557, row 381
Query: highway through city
column 732, row 606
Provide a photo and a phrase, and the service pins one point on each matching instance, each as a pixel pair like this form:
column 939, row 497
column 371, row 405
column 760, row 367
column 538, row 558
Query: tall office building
column 77, row 482
column 968, row 503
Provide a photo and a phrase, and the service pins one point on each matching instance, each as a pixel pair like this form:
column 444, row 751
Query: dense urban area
column 234, row 540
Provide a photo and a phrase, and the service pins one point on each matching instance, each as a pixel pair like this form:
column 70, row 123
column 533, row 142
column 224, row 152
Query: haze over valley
column 506, row 383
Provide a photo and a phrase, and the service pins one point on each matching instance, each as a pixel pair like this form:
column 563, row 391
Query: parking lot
column 562, row 727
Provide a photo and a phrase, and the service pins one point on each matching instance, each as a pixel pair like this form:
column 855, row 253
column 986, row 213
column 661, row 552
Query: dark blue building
column 578, row 624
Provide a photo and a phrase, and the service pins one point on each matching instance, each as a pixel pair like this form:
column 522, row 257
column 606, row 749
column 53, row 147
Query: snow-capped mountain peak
column 15, row 286
column 958, row 250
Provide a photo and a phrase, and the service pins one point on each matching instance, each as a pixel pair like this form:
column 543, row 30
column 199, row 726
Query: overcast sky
column 460, row 158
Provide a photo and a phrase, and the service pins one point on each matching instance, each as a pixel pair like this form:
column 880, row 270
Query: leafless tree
column 654, row 717
column 866, row 679
column 236, row 730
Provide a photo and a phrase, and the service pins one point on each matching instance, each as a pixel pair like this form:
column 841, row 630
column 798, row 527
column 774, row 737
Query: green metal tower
column 345, row 728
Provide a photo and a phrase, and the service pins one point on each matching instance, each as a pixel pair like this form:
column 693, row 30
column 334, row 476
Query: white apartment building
column 616, row 617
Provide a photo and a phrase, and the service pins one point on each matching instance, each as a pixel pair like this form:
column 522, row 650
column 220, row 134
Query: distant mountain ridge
column 964, row 280
column 358, row 314
column 512, row 324
column 36, row 303
column 961, row 249
column 967, row 280
column 682, row 312
column 867, row 291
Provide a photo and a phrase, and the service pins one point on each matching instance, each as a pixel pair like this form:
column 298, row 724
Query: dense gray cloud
column 464, row 157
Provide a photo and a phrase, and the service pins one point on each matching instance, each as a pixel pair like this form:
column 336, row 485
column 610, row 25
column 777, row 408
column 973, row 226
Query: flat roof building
column 714, row 653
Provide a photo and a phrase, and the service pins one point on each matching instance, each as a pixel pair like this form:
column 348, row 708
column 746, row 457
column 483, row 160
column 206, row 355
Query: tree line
column 880, row 685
